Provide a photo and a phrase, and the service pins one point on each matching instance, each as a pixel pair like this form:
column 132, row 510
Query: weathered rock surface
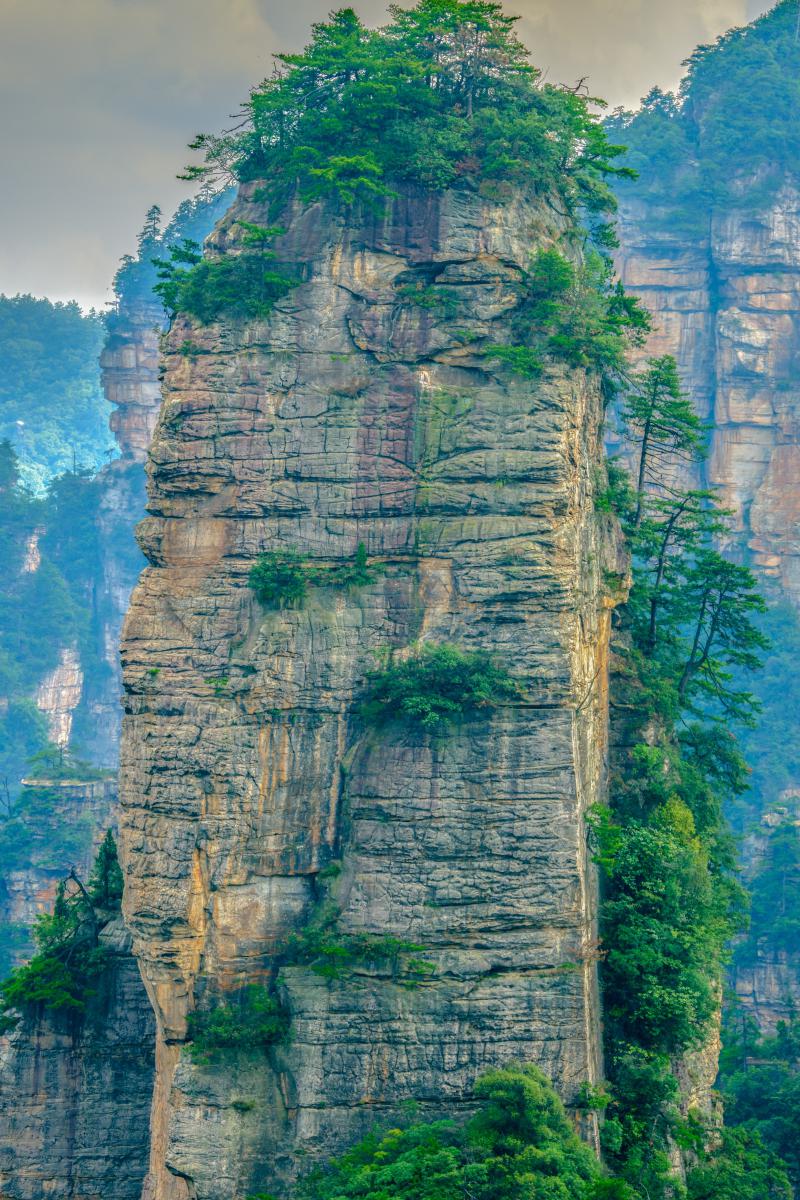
column 765, row 976
column 727, row 304
column 356, row 415
column 74, row 1101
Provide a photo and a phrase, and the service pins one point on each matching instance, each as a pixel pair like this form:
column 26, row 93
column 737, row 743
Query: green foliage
column 572, row 313
column 279, row 578
column 105, row 881
column 250, row 1021
column 775, row 889
column 52, row 406
column 661, row 417
column 760, row 1083
column 520, row 360
column 739, row 1168
column 333, row 954
column 665, row 922
column 433, row 299
column 617, row 495
column 688, row 638
column 245, row 285
column 192, row 221
column 356, row 574
column 443, row 95
column 436, row 686
column 709, row 147
column 63, row 973
column 45, row 609
column 518, row 1146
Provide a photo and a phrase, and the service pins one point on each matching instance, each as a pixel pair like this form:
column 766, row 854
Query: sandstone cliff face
column 765, row 976
column 129, row 365
column 354, row 415
column 727, row 304
column 74, row 1100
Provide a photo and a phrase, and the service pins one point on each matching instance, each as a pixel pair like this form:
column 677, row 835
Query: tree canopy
column 52, row 408
column 443, row 95
column 730, row 136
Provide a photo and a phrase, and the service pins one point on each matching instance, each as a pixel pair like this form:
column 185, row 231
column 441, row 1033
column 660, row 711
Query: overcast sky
column 98, row 99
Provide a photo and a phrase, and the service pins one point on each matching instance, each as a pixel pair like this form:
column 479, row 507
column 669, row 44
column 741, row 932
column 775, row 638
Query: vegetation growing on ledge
column 671, row 899
column 435, row 687
column 251, row 1020
column 245, row 284
column 519, row 1145
column 281, row 578
column 62, row 976
column 572, row 313
column 333, row 953
column 191, row 222
column 443, row 95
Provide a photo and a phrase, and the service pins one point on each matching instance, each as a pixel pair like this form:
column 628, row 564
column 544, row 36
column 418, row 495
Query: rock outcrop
column 74, row 1096
column 361, row 412
column 727, row 305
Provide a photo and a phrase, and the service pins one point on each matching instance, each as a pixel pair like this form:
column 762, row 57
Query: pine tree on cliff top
column 443, row 95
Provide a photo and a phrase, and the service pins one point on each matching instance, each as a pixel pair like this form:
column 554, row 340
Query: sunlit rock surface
column 355, row 415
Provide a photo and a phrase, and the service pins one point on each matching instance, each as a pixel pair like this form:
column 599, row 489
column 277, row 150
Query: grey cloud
column 99, row 97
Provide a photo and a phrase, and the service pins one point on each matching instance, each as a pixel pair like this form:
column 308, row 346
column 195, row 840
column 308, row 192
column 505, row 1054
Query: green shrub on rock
column 279, row 579
column 519, row 1145
column 245, row 285
column 355, row 574
column 62, row 976
column 251, row 1020
column 436, row 686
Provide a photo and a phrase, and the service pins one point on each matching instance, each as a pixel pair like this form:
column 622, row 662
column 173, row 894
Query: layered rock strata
column 74, row 1098
column 727, row 304
column 130, row 374
column 363, row 411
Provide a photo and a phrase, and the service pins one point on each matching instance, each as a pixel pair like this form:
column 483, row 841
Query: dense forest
column 52, row 407
column 703, row 147
column 57, row 550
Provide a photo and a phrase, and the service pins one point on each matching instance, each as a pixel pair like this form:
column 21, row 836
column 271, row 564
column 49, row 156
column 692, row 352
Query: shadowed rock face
column 74, row 1099
column 727, row 304
column 355, row 415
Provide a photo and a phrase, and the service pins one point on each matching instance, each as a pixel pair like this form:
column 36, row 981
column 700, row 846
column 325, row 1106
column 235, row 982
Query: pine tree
column 106, row 882
column 663, row 418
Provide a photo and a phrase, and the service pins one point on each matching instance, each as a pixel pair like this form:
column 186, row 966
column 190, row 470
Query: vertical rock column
column 130, row 366
column 727, row 306
column 364, row 410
